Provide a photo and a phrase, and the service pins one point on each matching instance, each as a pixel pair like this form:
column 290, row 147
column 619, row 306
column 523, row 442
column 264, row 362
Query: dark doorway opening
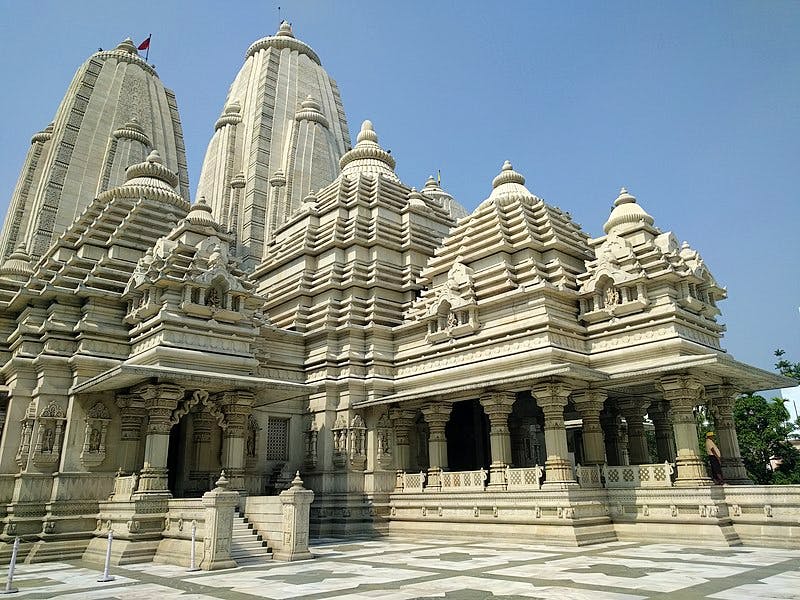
column 175, row 459
column 468, row 437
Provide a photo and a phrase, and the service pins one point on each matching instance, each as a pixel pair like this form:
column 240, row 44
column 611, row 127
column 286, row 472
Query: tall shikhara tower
column 114, row 113
column 280, row 136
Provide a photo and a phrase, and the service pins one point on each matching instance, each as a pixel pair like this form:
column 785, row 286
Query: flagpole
column 147, row 52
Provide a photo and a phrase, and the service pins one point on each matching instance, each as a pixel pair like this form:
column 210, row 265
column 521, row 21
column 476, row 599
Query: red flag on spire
column 145, row 45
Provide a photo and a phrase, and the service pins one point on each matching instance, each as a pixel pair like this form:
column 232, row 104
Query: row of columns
column 674, row 420
column 157, row 404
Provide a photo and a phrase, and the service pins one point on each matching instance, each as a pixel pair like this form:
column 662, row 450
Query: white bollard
column 106, row 576
column 192, row 566
column 8, row 589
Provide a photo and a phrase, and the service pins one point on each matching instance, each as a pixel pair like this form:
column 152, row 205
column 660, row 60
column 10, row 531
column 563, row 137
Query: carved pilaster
column 665, row 439
column 683, row 394
column 402, row 423
column 589, row 404
column 436, row 415
column 634, row 411
column 552, row 398
column 132, row 417
column 236, row 406
column 497, row 406
column 160, row 400
column 721, row 399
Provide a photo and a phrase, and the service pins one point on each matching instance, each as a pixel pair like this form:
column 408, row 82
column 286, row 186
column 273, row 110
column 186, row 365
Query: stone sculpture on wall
column 93, row 452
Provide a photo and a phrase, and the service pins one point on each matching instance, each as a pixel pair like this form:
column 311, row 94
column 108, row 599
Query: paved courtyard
column 400, row 569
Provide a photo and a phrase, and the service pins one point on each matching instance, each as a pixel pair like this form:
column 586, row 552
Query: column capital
column 236, row 406
column 682, row 389
column 160, row 400
column 635, row 408
column 589, row 402
column 153, row 393
column 497, row 404
column 723, row 394
column 436, row 413
column 549, row 395
column 401, row 417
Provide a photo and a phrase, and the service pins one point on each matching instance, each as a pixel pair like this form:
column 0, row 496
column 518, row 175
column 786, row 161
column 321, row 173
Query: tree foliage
column 764, row 428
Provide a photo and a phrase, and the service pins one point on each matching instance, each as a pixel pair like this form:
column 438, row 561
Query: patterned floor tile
column 625, row 573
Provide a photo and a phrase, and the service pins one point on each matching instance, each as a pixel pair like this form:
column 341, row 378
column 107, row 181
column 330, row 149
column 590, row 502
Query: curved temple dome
column 115, row 111
column 280, row 136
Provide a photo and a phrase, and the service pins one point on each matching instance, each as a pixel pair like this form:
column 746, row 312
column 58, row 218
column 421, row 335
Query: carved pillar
column 236, row 406
column 552, row 398
column 684, row 394
column 609, row 422
column 497, row 406
column 202, row 425
column 721, row 400
column 665, row 439
column 160, row 400
column 402, row 422
column 634, row 410
column 132, row 416
column 589, row 404
column 436, row 416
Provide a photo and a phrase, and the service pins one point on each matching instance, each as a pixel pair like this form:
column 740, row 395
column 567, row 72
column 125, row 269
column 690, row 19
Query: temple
column 311, row 323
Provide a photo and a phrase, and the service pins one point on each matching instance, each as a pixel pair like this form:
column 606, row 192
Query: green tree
column 785, row 367
column 763, row 427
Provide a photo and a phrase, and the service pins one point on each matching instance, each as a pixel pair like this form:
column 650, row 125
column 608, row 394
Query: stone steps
column 248, row 546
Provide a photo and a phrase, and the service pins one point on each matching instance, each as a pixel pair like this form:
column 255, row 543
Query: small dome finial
column 285, row 29
column 154, row 157
column 367, row 133
column 507, row 175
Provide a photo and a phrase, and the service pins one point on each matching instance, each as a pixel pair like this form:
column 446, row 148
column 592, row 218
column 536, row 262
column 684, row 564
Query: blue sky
column 694, row 106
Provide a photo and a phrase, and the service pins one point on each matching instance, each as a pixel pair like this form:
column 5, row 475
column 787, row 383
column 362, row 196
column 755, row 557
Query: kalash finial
column 624, row 197
column 367, row 133
column 154, row 157
column 285, row 30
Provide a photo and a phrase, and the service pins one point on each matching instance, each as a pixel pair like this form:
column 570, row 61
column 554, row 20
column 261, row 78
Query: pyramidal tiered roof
column 640, row 272
column 98, row 252
column 361, row 241
column 512, row 240
column 114, row 111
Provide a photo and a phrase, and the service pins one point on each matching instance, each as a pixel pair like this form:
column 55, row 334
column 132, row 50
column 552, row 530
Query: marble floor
column 402, row 569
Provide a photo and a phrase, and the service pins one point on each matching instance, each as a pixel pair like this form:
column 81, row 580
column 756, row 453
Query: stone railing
column 411, row 483
column 468, row 481
column 526, row 478
column 589, row 476
column 182, row 513
column 634, row 476
column 124, row 487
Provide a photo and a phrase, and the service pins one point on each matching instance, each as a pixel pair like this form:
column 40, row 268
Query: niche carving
column 93, row 452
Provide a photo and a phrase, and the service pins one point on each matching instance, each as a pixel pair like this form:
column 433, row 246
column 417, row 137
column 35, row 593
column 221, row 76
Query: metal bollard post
column 192, row 566
column 8, row 589
column 106, row 576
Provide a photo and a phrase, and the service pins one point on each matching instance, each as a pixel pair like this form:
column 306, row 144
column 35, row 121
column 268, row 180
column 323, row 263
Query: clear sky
column 694, row 106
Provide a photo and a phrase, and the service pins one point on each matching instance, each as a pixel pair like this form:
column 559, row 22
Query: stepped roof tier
column 280, row 136
column 387, row 228
column 115, row 111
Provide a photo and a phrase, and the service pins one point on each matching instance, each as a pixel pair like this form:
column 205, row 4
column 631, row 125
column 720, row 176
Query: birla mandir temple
column 426, row 370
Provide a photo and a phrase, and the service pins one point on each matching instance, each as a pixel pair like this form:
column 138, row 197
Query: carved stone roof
column 513, row 239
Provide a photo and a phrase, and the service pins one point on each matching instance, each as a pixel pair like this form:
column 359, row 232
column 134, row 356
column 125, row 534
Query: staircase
column 247, row 545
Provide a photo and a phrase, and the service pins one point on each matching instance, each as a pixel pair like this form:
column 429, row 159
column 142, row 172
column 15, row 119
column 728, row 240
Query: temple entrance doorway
column 176, row 459
column 467, row 434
